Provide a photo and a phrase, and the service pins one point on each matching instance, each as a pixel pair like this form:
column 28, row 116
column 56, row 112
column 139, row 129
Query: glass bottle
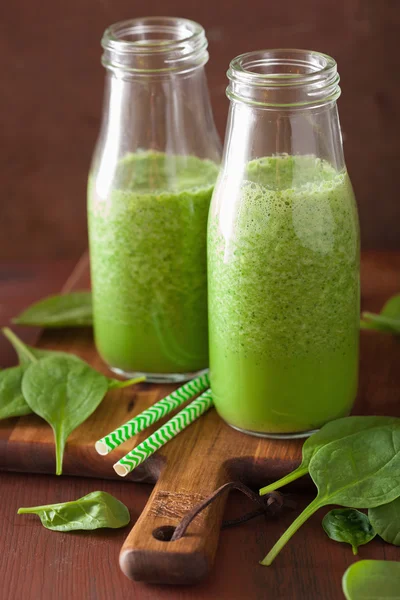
column 283, row 251
column 150, row 185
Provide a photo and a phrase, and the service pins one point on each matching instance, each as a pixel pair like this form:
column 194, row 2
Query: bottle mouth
column 283, row 78
column 154, row 45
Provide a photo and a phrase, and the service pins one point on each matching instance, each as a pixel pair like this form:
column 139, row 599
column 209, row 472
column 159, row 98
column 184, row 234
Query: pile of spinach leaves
column 353, row 462
column 59, row 387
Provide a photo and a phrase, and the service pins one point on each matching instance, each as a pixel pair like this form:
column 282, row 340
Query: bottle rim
column 154, row 45
column 272, row 76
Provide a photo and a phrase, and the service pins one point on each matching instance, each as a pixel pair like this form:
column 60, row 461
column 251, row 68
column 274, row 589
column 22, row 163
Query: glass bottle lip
column 283, row 78
column 151, row 45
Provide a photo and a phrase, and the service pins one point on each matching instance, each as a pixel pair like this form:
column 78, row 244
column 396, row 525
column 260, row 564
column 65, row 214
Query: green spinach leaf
column 385, row 520
column 94, row 511
column 28, row 354
column 387, row 321
column 63, row 391
column 66, row 310
column 12, row 401
column 372, row 580
column 355, row 472
column 335, row 430
column 348, row 525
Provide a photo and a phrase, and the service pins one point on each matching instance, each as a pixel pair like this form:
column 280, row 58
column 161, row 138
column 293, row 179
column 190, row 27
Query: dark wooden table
column 37, row 564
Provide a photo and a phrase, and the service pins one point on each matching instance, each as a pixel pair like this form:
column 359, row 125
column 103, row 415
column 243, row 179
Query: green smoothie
column 148, row 263
column 283, row 261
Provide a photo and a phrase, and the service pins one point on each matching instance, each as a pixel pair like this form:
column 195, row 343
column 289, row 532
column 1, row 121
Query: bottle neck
column 171, row 114
column 156, row 96
column 283, row 102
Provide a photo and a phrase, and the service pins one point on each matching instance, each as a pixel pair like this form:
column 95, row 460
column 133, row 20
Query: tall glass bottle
column 283, row 251
column 150, row 184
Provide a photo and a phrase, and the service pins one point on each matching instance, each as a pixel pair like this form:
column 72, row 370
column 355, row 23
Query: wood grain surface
column 85, row 566
column 50, row 105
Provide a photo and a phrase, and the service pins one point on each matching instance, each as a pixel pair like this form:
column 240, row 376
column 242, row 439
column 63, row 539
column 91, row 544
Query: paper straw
column 163, row 435
column 152, row 415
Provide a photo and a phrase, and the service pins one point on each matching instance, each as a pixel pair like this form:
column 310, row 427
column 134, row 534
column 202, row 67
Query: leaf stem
column 36, row 509
column 296, row 474
column 18, row 345
column 297, row 523
column 116, row 384
column 31, row 510
column 389, row 322
column 60, row 445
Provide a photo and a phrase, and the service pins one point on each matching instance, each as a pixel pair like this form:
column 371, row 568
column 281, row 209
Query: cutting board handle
column 143, row 557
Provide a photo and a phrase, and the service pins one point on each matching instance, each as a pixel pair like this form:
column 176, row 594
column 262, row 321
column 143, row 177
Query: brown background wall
column 51, row 91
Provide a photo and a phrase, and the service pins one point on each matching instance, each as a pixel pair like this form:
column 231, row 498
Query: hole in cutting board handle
column 164, row 533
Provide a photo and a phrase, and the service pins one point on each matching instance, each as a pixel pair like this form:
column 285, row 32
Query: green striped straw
column 152, row 415
column 163, row 435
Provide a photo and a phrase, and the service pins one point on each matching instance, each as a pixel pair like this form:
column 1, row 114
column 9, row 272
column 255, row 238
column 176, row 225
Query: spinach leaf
column 372, row 580
column 64, row 391
column 66, row 310
column 387, row 321
column 355, row 472
column 12, row 401
column 348, row 525
column 335, row 430
column 28, row 354
column 385, row 520
column 94, row 511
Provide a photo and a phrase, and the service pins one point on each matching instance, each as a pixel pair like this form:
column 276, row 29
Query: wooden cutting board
column 203, row 457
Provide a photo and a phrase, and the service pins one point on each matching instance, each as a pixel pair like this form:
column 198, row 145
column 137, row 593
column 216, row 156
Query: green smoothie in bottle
column 148, row 263
column 284, row 298
column 153, row 171
column 283, row 251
